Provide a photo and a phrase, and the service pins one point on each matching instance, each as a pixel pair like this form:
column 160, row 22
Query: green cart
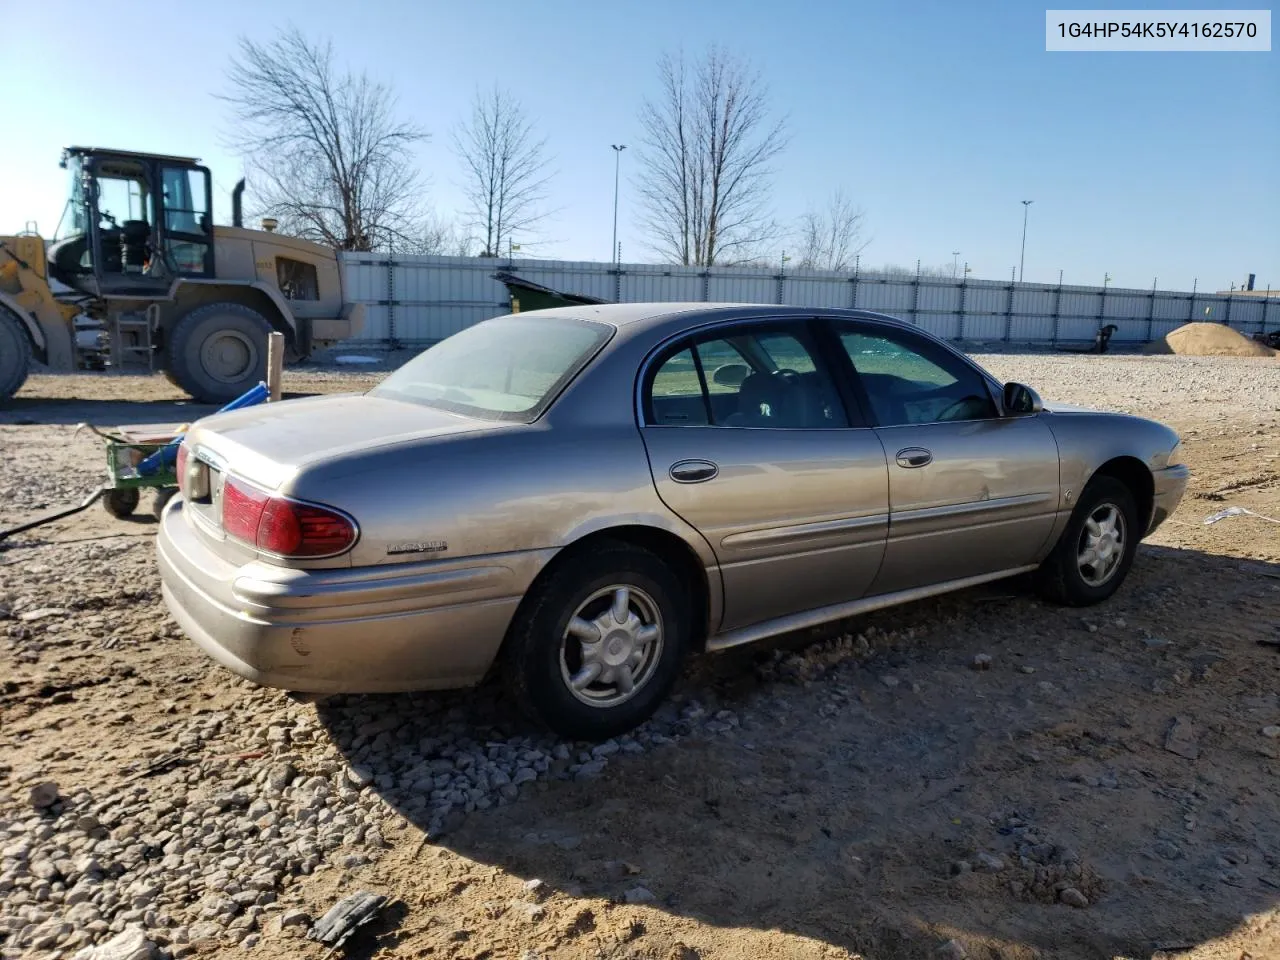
column 126, row 448
column 145, row 455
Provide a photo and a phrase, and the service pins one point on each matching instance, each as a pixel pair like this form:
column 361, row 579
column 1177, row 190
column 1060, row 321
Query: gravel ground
column 979, row 775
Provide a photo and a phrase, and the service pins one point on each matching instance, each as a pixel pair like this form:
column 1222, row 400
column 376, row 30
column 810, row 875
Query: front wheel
column 1093, row 555
column 15, row 355
column 599, row 642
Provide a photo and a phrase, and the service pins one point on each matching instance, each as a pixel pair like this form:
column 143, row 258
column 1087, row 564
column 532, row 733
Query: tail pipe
column 237, row 215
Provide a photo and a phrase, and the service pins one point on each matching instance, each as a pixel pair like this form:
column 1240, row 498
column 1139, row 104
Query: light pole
column 955, row 263
column 1026, row 207
column 617, row 164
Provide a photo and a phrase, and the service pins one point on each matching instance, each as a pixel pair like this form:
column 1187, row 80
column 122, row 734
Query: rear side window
column 676, row 392
column 509, row 368
column 744, row 377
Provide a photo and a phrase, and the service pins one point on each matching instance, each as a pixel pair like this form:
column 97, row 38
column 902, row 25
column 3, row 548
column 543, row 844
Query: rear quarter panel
column 528, row 487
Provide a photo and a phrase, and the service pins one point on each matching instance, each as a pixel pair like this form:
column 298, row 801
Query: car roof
column 666, row 320
column 638, row 316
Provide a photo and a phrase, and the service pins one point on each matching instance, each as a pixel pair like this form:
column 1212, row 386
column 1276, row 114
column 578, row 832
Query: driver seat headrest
column 762, row 399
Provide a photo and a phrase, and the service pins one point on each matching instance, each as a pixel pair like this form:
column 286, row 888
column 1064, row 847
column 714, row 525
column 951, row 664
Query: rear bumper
column 1170, row 484
column 414, row 626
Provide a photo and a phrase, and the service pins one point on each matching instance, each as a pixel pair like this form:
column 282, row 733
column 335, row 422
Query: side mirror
column 1020, row 400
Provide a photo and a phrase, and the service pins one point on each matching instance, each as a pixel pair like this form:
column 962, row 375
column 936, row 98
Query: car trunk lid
column 269, row 445
column 280, row 438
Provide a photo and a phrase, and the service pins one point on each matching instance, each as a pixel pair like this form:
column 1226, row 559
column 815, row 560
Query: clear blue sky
column 938, row 118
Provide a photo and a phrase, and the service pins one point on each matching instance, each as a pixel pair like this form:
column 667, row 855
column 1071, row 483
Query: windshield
column 73, row 214
column 508, row 368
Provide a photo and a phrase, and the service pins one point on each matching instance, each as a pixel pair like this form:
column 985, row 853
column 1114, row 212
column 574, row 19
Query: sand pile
column 1209, row 340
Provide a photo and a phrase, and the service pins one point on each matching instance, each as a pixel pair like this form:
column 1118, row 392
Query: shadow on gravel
column 52, row 411
column 1102, row 789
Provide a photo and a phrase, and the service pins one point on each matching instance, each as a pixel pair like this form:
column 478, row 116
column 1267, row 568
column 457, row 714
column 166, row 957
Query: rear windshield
column 508, row 368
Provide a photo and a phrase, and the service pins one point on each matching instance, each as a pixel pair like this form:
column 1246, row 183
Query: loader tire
column 218, row 351
column 15, row 355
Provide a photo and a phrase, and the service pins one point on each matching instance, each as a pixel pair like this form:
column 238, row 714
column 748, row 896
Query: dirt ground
column 863, row 790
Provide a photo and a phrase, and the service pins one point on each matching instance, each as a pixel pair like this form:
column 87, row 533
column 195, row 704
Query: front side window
column 744, row 378
column 123, row 200
column 126, row 217
column 911, row 381
column 74, row 217
column 509, row 368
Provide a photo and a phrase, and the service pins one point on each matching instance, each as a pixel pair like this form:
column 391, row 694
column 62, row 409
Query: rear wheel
column 15, row 355
column 1093, row 555
column 121, row 503
column 599, row 642
column 218, row 352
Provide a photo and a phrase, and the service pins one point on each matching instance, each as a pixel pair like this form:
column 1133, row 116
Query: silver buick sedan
column 580, row 497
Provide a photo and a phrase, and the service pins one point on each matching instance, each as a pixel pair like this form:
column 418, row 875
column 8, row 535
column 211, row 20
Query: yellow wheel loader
column 142, row 281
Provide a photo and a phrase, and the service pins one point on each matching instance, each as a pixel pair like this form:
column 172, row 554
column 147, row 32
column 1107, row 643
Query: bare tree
column 505, row 167
column 330, row 159
column 925, row 270
column 831, row 238
column 705, row 156
column 442, row 237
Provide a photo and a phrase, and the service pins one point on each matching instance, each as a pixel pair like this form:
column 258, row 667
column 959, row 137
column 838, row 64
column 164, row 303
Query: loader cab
column 135, row 223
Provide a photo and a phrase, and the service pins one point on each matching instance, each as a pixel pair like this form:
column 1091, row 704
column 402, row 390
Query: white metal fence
column 415, row 301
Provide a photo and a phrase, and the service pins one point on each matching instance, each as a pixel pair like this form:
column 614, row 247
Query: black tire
column 533, row 656
column 1061, row 578
column 122, row 502
column 218, row 351
column 15, row 355
column 162, row 498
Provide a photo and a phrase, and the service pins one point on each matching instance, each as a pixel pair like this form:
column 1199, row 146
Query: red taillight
column 283, row 527
column 279, row 531
column 181, row 468
column 242, row 507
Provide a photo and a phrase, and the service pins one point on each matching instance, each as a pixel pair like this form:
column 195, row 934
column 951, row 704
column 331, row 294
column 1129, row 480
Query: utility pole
column 617, row 165
column 1026, row 207
column 955, row 263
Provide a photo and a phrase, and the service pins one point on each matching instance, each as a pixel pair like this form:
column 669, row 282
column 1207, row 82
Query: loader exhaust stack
column 237, row 214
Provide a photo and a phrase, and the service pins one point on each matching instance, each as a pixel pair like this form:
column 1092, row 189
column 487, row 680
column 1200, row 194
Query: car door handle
column 914, row 457
column 693, row 471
